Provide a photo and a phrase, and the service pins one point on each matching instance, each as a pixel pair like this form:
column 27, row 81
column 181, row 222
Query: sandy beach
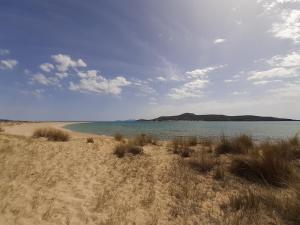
column 75, row 182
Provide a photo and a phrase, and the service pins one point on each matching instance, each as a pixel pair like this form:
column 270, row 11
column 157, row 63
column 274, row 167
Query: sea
column 169, row 129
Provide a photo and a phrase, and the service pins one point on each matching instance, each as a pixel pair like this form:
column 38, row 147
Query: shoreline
column 26, row 129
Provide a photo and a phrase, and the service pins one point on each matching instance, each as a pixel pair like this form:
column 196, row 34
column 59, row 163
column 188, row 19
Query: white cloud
column 161, row 78
column 92, row 82
column 202, row 73
column 62, row 75
column 42, row 79
column 261, row 82
column 219, row 40
column 290, row 60
column 278, row 72
column 64, row 62
column 88, row 74
column 4, row 52
column 47, row 67
column 287, row 1
column 289, row 90
column 8, row 64
column 190, row 89
column 229, row 81
column 273, row 5
column 289, row 27
column 240, row 93
column 282, row 66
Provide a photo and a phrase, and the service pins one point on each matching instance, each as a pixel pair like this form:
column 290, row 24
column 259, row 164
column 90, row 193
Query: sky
column 132, row 59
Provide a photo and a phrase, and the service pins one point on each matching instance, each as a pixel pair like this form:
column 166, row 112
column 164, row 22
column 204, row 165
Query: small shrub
column 1, row 129
column 185, row 152
column 123, row 149
column 192, row 141
column 90, row 140
column 51, row 134
column 238, row 145
column 219, row 173
column 143, row 139
column 290, row 207
column 207, row 142
column 181, row 145
column 120, row 151
column 135, row 150
column 269, row 165
column 294, row 141
column 244, row 142
column 246, row 200
column 202, row 162
column 118, row 137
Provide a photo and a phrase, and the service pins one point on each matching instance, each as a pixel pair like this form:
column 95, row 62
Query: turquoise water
column 169, row 129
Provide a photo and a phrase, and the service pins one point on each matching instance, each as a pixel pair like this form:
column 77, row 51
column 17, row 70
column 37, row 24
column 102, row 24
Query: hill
column 215, row 117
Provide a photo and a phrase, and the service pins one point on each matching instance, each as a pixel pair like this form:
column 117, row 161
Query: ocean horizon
column 203, row 129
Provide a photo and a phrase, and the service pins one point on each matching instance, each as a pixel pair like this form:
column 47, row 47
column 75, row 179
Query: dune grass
column 182, row 145
column 90, row 140
column 236, row 145
column 118, row 137
column 269, row 164
column 51, row 134
column 121, row 150
column 1, row 129
column 202, row 162
column 259, row 206
column 219, row 173
column 143, row 139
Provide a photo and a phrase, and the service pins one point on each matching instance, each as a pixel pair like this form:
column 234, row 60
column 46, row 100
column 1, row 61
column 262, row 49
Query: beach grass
column 51, row 134
column 122, row 149
column 118, row 137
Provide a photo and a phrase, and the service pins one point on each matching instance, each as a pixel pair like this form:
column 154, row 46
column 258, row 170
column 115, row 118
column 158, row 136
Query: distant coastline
column 216, row 117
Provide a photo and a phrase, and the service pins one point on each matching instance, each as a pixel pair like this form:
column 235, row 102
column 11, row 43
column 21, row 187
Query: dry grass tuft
column 1, row 129
column 120, row 151
column 237, row 145
column 143, row 139
column 294, row 141
column 246, row 200
column 206, row 142
column 51, row 134
column 290, row 207
column 256, row 207
column 192, row 141
column 181, row 145
column 90, row 140
column 123, row 149
column 202, row 162
column 118, row 137
column 268, row 165
column 219, row 173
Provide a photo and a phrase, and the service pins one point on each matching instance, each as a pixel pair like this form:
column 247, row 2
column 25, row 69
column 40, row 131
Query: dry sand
column 43, row 183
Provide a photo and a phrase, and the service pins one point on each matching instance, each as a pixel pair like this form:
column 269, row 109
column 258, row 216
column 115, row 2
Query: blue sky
column 127, row 59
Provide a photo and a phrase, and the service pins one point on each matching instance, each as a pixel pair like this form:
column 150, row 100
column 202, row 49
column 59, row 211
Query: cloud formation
column 91, row 81
column 8, row 64
column 4, row 52
column 202, row 73
column 289, row 27
column 192, row 89
column 282, row 66
column 47, row 67
column 219, row 41
column 44, row 80
column 65, row 62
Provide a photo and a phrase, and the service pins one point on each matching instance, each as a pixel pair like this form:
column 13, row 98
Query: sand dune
column 74, row 182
